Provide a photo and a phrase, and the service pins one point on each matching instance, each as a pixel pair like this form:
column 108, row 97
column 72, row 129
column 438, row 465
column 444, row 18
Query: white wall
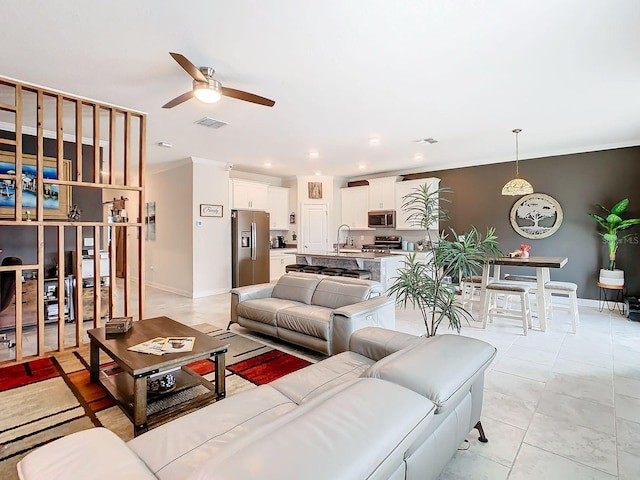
column 292, row 184
column 169, row 263
column 211, row 239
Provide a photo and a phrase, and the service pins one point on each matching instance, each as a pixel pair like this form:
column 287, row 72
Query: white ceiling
column 341, row 71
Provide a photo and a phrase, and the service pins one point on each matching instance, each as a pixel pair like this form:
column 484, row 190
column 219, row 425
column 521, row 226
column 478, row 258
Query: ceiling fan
column 207, row 89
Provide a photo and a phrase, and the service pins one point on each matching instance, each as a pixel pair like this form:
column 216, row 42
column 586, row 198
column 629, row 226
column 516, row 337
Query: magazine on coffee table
column 153, row 346
column 178, row 344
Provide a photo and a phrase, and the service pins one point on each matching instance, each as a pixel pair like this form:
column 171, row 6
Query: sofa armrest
column 240, row 294
column 376, row 343
column 375, row 312
column 365, row 307
column 96, row 453
column 261, row 290
column 461, row 362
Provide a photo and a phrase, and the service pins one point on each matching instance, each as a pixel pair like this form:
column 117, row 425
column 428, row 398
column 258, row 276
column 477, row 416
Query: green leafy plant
column 427, row 285
column 612, row 224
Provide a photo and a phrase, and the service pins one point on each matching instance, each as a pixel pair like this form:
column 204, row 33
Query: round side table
column 611, row 295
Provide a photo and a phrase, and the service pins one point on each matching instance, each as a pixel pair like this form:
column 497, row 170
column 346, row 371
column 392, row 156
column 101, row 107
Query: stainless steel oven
column 382, row 219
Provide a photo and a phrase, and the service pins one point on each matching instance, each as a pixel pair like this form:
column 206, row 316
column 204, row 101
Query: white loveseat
column 315, row 311
column 394, row 406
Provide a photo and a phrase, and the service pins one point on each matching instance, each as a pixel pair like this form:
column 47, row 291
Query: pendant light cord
column 517, row 131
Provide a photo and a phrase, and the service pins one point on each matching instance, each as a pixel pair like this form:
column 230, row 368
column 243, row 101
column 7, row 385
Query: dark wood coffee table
column 129, row 387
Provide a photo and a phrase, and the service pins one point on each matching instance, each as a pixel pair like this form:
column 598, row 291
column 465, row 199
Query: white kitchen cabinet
column 382, row 193
column 278, row 264
column 404, row 188
column 249, row 195
column 278, row 207
column 355, row 205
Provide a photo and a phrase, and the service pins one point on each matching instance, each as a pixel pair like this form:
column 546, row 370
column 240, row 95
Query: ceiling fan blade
column 178, row 100
column 189, row 67
column 246, row 96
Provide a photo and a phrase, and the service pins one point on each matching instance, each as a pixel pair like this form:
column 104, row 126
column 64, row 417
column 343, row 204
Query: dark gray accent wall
column 578, row 182
column 21, row 241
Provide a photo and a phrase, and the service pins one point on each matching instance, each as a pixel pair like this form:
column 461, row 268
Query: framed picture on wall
column 315, row 190
column 208, row 210
column 57, row 198
column 150, row 221
column 536, row 216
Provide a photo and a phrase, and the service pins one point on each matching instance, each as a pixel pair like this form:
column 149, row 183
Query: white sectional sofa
column 394, row 406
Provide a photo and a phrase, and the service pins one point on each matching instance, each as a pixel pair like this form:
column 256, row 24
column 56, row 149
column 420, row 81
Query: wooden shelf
column 120, row 387
column 109, row 147
column 62, row 223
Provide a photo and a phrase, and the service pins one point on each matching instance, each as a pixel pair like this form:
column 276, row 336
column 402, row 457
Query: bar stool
column 470, row 288
column 568, row 289
column 491, row 308
column 294, row 267
column 334, row 272
column 313, row 269
column 362, row 274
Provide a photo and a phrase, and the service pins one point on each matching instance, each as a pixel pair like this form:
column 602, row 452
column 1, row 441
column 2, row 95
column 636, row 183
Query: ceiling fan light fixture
column 207, row 92
column 517, row 186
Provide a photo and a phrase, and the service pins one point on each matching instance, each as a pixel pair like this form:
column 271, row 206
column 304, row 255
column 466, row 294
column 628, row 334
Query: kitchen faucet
column 338, row 236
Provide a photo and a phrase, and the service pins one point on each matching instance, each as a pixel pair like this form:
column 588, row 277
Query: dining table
column 542, row 266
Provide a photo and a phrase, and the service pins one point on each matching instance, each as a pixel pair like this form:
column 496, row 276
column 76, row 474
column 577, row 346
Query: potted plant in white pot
column 426, row 285
column 612, row 224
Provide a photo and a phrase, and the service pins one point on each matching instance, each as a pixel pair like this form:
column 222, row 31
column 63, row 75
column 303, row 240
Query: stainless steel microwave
column 382, row 219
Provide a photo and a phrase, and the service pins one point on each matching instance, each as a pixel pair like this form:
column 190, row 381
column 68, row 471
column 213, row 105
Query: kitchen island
column 383, row 266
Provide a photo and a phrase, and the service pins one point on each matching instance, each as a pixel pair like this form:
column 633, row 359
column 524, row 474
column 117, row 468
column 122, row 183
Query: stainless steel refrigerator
column 250, row 247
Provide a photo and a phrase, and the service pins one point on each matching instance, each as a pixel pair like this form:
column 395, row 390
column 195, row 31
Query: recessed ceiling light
column 267, row 164
column 165, row 145
column 374, row 141
column 314, row 154
column 427, row 140
column 362, row 166
column 417, row 156
column 318, row 173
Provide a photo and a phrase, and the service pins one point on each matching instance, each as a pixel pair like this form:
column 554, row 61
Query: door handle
column 253, row 240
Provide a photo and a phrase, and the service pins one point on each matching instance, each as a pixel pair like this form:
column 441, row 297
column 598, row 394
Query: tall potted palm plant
column 426, row 285
column 613, row 223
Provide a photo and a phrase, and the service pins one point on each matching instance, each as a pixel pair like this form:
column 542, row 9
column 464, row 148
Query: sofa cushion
column 311, row 320
column 335, row 294
column 437, row 367
column 263, row 310
column 296, row 288
column 174, row 449
column 331, row 437
column 307, row 383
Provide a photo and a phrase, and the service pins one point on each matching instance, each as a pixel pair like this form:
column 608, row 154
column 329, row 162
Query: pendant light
column 517, row 186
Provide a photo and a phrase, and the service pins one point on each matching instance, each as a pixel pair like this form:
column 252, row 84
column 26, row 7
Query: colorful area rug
column 48, row 398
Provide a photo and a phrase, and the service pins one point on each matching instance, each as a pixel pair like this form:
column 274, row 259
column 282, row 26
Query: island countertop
column 367, row 255
column 383, row 266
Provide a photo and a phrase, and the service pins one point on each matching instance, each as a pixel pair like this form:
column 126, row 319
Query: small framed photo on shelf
column 208, row 210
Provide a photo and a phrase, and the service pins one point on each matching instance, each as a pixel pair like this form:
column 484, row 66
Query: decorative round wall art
column 536, row 216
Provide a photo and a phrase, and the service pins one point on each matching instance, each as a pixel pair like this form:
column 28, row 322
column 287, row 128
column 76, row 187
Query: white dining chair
column 567, row 289
column 493, row 309
column 470, row 288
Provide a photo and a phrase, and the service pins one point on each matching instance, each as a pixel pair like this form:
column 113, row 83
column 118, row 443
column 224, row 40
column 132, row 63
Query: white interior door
column 315, row 224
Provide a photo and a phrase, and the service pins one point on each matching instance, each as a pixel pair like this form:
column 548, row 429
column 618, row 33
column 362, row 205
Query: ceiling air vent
column 211, row 122
column 427, row 140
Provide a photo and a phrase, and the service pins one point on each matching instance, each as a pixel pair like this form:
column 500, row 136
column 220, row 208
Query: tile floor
column 557, row 405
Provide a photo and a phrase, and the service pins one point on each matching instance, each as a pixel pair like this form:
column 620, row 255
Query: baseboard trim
column 185, row 293
column 208, row 293
column 167, row 288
